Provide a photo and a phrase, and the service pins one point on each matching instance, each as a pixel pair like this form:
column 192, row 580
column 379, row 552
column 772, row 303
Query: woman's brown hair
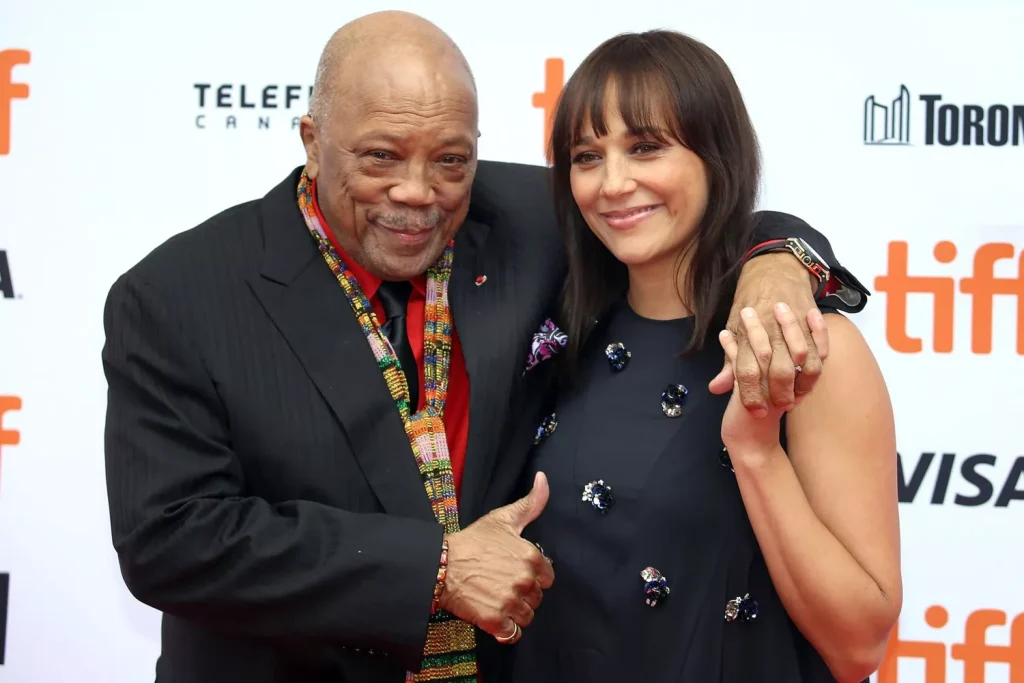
column 667, row 85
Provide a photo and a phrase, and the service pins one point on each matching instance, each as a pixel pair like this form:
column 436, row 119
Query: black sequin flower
column 546, row 429
column 724, row 460
column 599, row 495
column 742, row 609
column 672, row 400
column 655, row 586
column 618, row 356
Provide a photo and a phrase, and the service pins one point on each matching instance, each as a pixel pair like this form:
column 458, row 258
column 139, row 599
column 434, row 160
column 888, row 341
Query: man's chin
column 407, row 266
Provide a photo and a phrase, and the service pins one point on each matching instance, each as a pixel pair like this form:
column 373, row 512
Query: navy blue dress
column 674, row 506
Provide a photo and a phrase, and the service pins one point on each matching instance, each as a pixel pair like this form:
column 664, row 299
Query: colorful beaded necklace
column 450, row 652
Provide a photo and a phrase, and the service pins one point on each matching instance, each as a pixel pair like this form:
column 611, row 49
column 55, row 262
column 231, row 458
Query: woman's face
column 641, row 197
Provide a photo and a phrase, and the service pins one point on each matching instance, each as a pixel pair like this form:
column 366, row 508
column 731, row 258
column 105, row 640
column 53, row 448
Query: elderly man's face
column 394, row 165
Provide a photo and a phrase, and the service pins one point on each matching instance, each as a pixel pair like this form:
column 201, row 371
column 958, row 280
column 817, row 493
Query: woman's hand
column 744, row 435
column 764, row 282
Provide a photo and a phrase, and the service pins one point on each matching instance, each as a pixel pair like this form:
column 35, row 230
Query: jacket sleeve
column 851, row 296
column 192, row 543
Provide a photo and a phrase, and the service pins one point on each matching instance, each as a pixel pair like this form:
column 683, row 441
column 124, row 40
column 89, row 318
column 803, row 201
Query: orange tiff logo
column 10, row 91
column 982, row 286
column 547, row 101
column 974, row 652
column 8, row 437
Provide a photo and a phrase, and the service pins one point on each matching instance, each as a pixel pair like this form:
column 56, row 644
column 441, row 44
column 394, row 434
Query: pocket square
column 547, row 341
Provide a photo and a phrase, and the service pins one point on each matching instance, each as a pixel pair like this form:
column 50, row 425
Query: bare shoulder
column 850, row 400
column 850, row 355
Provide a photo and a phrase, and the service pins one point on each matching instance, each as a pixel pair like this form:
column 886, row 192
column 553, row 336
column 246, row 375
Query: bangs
column 623, row 78
column 670, row 88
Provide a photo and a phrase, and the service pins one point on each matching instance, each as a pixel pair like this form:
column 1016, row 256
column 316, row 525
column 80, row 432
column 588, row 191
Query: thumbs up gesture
column 495, row 577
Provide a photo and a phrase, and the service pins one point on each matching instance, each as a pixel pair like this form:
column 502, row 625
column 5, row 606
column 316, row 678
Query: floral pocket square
column 547, row 341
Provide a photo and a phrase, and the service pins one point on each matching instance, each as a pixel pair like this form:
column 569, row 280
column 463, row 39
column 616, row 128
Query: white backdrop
column 106, row 161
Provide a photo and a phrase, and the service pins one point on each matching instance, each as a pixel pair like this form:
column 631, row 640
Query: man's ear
column 311, row 141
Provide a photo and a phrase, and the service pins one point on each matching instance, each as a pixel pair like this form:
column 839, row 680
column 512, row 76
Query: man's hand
column 495, row 577
column 765, row 282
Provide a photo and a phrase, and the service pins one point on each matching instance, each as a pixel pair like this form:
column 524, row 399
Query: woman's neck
column 654, row 290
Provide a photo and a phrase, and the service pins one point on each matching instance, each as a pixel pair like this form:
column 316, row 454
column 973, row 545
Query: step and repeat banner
column 896, row 128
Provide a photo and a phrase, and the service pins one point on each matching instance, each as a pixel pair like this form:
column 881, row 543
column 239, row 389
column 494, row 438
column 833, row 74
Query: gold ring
column 513, row 637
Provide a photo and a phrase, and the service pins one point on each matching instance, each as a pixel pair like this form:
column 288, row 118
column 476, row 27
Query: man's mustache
column 406, row 221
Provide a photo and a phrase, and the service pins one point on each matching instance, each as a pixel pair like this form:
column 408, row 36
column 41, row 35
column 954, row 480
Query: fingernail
column 781, row 307
column 723, row 334
column 759, row 412
column 749, row 312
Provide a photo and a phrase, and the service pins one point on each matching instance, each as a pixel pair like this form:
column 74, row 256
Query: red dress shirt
column 456, row 412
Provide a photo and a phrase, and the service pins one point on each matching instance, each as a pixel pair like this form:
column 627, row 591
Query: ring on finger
column 512, row 637
column 543, row 554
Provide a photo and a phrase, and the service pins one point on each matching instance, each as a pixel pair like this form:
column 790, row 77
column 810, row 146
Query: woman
column 771, row 559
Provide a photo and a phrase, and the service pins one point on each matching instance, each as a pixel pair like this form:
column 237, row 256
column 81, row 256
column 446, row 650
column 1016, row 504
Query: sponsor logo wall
column 948, row 124
column 10, row 90
column 6, row 280
column 909, row 156
column 230, row 106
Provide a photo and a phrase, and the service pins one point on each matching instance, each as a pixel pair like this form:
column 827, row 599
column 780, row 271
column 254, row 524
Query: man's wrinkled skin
column 766, row 281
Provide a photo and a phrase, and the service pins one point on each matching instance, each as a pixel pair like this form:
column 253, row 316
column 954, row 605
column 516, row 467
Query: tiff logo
column 974, row 651
column 982, row 286
column 10, row 91
column 547, row 101
column 887, row 124
column 8, row 437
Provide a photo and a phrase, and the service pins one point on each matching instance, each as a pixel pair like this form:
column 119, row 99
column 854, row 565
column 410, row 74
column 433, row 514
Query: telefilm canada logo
column 891, row 122
column 250, row 106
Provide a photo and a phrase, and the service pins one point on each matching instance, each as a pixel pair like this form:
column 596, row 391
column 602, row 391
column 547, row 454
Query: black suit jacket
column 262, row 491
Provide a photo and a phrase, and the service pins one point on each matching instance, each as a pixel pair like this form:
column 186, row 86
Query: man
column 281, row 482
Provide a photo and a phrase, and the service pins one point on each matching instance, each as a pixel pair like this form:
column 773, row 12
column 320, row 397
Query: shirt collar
column 368, row 282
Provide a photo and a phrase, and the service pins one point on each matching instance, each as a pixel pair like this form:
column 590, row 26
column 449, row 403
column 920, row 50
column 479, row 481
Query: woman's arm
column 826, row 517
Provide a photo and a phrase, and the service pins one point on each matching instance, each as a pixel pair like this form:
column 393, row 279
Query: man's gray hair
column 323, row 90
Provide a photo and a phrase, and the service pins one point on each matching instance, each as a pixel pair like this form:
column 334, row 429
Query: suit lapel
column 302, row 297
column 485, row 318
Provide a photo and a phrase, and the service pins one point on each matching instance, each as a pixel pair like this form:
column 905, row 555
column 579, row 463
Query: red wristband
column 807, row 257
column 763, row 245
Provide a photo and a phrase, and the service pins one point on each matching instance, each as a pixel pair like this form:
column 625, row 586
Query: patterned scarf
column 449, row 654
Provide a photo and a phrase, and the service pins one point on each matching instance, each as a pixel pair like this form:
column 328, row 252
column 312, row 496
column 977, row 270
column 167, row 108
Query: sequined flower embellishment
column 724, row 460
column 547, row 427
column 547, row 342
column 655, row 586
column 672, row 400
column 741, row 609
column 618, row 356
column 599, row 495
